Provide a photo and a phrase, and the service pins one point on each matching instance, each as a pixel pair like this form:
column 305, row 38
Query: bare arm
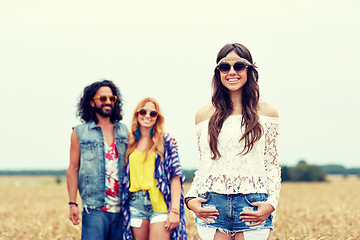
column 174, row 213
column 72, row 177
column 175, row 190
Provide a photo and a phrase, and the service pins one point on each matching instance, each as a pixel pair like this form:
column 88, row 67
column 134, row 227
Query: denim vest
column 91, row 181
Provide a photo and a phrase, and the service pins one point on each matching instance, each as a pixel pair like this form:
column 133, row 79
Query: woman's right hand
column 195, row 205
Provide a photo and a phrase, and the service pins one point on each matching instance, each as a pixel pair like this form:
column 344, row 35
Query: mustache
column 106, row 105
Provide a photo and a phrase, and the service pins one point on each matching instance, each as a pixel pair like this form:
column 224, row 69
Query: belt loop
column 86, row 209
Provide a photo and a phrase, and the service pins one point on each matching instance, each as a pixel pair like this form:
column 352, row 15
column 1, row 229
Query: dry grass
column 36, row 208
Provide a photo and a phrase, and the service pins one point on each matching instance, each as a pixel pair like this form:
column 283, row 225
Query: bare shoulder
column 204, row 113
column 74, row 137
column 268, row 110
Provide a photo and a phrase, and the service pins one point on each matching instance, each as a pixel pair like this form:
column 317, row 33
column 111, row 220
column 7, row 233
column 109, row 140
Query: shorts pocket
column 134, row 197
column 206, row 196
column 255, row 197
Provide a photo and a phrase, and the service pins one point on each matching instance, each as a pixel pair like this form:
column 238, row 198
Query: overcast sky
column 306, row 52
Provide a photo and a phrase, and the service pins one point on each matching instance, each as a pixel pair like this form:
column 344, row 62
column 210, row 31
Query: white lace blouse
column 255, row 172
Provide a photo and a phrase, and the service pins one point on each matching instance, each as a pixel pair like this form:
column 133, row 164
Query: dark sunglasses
column 225, row 67
column 143, row 112
column 105, row 98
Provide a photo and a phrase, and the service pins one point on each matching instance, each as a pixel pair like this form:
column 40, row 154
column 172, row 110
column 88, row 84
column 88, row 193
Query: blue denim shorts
column 141, row 209
column 229, row 207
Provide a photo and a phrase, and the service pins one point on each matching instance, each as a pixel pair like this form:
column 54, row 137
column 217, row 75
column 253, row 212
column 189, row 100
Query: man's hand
column 74, row 215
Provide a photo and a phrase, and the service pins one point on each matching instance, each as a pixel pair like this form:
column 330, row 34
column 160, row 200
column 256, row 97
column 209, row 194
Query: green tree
column 285, row 174
column 303, row 172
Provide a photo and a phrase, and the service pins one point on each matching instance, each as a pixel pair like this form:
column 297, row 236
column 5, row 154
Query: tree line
column 302, row 172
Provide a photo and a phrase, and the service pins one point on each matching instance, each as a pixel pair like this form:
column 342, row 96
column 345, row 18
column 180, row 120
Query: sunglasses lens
column 102, row 98
column 142, row 112
column 239, row 66
column 224, row 67
column 112, row 99
column 153, row 114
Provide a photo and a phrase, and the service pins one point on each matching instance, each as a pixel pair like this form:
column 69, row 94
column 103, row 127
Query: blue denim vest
column 92, row 162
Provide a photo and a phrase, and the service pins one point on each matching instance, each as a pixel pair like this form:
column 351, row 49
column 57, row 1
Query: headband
column 225, row 59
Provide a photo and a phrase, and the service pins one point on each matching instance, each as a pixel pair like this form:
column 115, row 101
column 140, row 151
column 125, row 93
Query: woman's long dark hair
column 223, row 105
column 87, row 113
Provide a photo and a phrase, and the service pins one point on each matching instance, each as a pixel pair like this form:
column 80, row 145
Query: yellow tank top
column 142, row 178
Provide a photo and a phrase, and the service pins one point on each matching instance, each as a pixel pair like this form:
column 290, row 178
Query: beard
column 101, row 112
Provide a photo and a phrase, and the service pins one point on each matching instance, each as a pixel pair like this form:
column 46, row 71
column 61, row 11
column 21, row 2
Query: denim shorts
column 141, row 209
column 229, row 207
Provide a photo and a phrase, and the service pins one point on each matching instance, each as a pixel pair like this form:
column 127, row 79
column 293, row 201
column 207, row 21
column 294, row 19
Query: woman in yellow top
column 156, row 177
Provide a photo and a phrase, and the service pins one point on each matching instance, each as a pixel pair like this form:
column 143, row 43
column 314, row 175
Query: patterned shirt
column 112, row 202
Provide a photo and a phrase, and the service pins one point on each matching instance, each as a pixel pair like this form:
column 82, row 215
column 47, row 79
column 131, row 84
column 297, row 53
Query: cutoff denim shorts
column 229, row 207
column 141, row 209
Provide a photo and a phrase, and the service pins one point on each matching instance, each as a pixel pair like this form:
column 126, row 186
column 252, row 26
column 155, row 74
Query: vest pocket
column 88, row 151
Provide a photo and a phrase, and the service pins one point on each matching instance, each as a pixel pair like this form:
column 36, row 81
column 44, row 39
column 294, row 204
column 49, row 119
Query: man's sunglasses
column 143, row 112
column 225, row 67
column 105, row 98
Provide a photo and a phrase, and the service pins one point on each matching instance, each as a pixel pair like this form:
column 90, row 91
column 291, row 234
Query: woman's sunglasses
column 225, row 67
column 143, row 112
column 105, row 98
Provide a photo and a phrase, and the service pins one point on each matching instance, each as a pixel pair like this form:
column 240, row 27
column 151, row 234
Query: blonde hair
column 157, row 142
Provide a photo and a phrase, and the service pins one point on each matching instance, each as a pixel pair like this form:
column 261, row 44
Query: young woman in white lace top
column 237, row 185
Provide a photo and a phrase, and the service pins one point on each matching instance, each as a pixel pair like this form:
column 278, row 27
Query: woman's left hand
column 172, row 221
column 257, row 217
column 175, row 143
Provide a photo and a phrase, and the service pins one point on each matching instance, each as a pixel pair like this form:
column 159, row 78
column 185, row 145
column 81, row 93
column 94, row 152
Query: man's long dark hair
column 87, row 113
column 224, row 107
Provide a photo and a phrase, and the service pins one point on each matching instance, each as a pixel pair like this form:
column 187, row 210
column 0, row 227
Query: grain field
column 36, row 208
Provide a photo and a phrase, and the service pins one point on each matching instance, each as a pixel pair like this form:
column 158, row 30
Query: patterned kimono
column 164, row 170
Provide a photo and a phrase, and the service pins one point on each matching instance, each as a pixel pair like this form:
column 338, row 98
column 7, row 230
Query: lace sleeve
column 193, row 191
column 272, row 167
